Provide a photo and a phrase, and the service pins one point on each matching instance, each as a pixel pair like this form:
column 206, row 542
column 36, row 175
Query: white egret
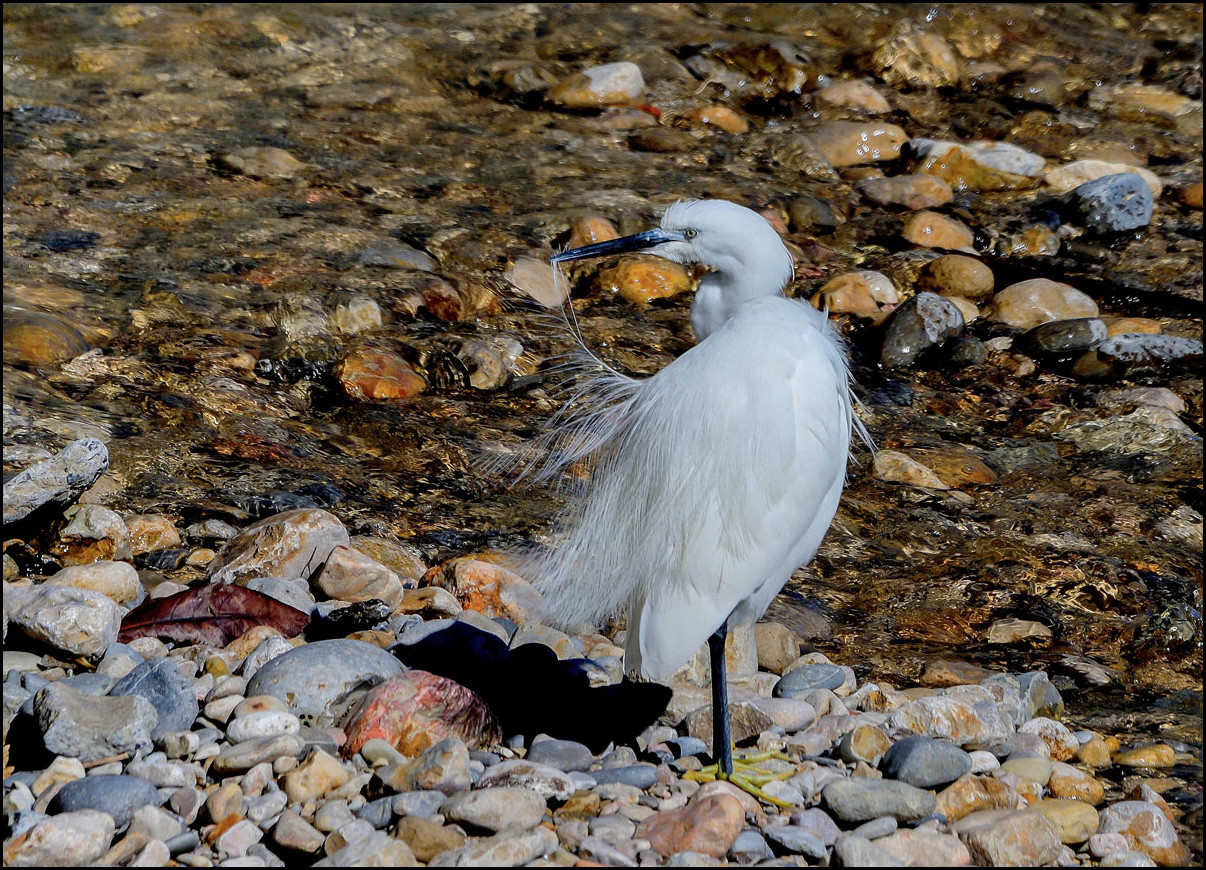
column 717, row 477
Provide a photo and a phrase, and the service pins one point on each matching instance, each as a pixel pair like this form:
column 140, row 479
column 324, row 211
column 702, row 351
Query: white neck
column 722, row 292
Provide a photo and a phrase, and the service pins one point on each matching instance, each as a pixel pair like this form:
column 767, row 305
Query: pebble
column 1112, row 204
column 59, row 480
column 852, row 143
column 929, row 229
column 546, row 781
column 859, row 799
column 486, row 588
column 1065, row 336
column 376, row 374
column 611, row 84
column 1152, row 755
column 915, row 57
column 925, row 848
column 1146, row 831
column 1014, row 837
column 564, row 755
column 538, row 280
column 70, row 839
column 925, row 762
column 287, row 544
column 496, row 809
column 923, row 322
column 803, row 679
column 119, row 796
column 957, row 276
column 1072, row 175
column 1075, row 820
column 74, row 621
column 36, row 338
column 856, row 93
column 641, row 278
column 427, row 839
column 167, row 689
column 263, row 161
column 349, row 575
column 313, row 679
column 1028, row 303
column 708, row 825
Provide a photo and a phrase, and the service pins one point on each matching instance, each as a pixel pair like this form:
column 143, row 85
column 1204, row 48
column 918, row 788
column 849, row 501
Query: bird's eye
column 690, row 234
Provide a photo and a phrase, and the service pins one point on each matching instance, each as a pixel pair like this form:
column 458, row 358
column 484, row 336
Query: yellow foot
column 747, row 775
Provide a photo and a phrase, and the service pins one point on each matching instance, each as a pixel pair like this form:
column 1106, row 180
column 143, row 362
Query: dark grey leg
column 722, row 744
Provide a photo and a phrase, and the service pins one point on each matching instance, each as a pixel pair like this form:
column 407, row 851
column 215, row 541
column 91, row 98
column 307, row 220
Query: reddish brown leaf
column 214, row 615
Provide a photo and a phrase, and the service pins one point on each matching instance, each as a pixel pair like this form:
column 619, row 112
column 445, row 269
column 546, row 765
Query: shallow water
column 211, row 292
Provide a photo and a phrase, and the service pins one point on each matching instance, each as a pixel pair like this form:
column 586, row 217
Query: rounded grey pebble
column 378, row 813
column 424, row 804
column 857, row 799
column 750, row 847
column 311, row 678
column 797, row 841
column 876, row 828
column 1113, row 203
column 169, row 691
column 118, row 795
column 925, row 762
column 797, row 683
column 565, row 755
column 1066, row 336
column 854, row 851
column 639, row 775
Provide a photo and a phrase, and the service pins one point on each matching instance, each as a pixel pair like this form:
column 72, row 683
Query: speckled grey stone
column 925, row 762
column 118, row 795
column 168, row 690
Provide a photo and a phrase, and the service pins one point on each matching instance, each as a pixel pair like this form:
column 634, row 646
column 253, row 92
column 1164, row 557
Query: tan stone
column 150, row 532
column 719, row 116
column 856, row 93
column 1073, row 783
column 641, row 278
column 1152, row 755
column 851, row 143
column 349, row 575
column 955, row 275
column 1075, row 820
column 929, row 229
column 317, row 776
column 1028, row 303
column 487, row 588
column 375, row 374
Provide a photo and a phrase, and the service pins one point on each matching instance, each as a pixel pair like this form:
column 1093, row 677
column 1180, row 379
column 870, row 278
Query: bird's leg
column 722, row 743
column 746, row 776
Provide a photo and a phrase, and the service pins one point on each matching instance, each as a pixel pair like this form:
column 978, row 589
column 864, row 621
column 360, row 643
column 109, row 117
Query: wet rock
column 289, row 544
column 915, row 58
column 925, row 762
column 68, row 839
column 262, row 161
column 118, row 796
column 956, row 275
column 94, row 533
column 168, row 690
column 1070, row 176
column 911, row 191
column 59, row 480
column 612, row 84
column 853, row 293
column 852, row 143
column 150, row 532
column 709, row 826
column 1065, row 336
column 929, row 229
column 1009, row 837
column 115, row 580
column 1152, row 755
column 496, row 809
column 34, row 338
column 349, row 575
column 393, row 254
column 720, row 116
column 964, row 169
column 76, row 621
column 1003, row 157
column 415, row 710
column 859, row 799
column 1112, row 204
column 313, row 679
column 955, row 465
column 487, row 588
column 1029, row 303
column 856, row 93
column 357, row 314
column 922, row 323
column 1146, row 349
column 377, row 374
column 892, row 466
column 641, row 278
column 1191, row 195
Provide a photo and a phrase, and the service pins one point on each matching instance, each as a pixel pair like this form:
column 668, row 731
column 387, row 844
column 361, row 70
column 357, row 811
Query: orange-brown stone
column 709, row 826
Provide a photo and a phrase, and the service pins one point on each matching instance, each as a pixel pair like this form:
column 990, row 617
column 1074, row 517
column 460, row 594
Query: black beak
column 639, row 242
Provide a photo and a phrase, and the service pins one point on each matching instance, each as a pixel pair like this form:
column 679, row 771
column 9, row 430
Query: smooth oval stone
column 797, row 840
column 798, row 682
column 925, row 762
column 243, row 756
column 312, row 678
column 925, row 321
column 1113, row 204
column 169, row 691
column 116, row 794
column 858, row 799
column 262, row 723
column 1066, row 336
column 640, row 776
column 564, row 755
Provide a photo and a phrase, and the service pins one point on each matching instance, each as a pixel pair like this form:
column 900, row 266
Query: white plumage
column 716, row 478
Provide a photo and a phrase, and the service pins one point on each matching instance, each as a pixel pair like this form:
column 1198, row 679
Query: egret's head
column 734, row 241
